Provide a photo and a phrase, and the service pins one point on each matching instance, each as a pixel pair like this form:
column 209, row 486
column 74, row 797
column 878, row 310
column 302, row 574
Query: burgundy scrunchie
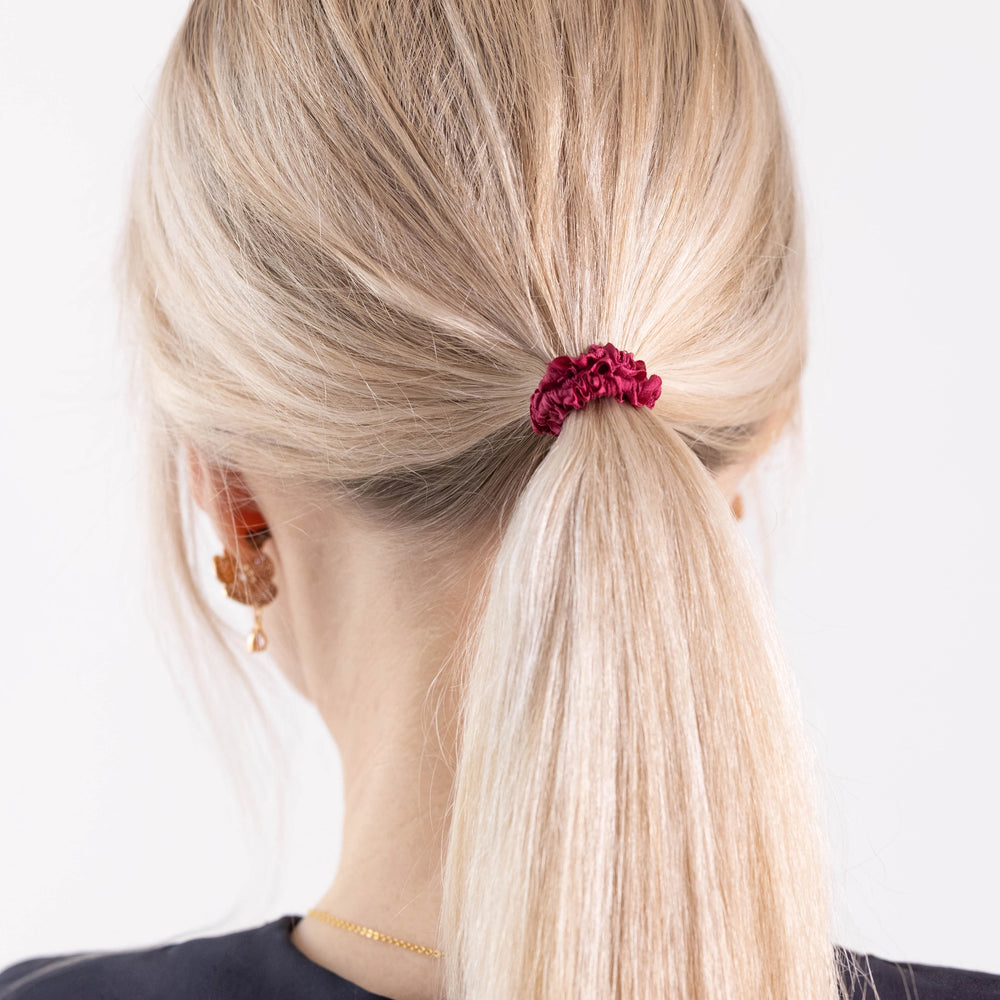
column 571, row 383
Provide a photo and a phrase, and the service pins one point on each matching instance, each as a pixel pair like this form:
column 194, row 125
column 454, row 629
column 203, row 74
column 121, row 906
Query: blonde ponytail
column 358, row 232
column 634, row 814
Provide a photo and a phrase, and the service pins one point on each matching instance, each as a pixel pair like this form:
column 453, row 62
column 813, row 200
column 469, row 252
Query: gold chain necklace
column 368, row 932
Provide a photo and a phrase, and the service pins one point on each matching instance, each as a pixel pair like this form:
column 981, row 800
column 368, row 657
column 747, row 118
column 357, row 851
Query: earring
column 738, row 507
column 249, row 583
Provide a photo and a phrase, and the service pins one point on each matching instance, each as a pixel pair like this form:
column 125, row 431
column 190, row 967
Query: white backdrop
column 117, row 829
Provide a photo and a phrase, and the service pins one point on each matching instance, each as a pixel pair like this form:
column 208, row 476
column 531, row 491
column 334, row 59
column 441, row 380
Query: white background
column 117, row 828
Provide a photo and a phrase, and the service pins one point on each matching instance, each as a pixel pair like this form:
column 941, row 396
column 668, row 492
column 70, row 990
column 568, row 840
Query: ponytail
column 633, row 813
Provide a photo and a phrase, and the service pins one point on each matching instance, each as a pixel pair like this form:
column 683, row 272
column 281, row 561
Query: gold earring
column 249, row 583
column 738, row 507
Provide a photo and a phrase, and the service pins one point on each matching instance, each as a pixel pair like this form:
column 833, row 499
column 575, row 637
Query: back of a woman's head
column 359, row 231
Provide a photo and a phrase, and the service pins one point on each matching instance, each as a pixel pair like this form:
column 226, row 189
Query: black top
column 261, row 963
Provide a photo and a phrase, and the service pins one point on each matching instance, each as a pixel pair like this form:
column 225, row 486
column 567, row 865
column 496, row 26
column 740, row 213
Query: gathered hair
column 358, row 231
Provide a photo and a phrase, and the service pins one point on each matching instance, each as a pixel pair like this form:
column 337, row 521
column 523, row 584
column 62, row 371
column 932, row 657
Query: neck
column 370, row 641
column 389, row 877
column 367, row 625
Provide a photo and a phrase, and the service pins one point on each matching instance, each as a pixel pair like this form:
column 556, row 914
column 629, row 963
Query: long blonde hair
column 359, row 229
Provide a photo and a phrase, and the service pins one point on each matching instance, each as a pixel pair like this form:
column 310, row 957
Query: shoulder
column 255, row 964
column 869, row 977
column 195, row 968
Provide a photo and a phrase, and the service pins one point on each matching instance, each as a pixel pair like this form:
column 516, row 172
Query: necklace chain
column 374, row 935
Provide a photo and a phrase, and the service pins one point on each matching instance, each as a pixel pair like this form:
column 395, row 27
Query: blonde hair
column 358, row 232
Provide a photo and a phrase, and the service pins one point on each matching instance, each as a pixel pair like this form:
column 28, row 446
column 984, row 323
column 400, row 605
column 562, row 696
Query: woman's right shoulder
column 869, row 977
column 256, row 963
column 54, row 976
column 97, row 976
column 162, row 972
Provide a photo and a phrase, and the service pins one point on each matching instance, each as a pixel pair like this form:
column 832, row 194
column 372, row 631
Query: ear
column 222, row 493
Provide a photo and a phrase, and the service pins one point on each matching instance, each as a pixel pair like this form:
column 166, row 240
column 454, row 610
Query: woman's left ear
column 222, row 493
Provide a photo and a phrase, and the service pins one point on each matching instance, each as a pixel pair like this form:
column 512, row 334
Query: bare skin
column 350, row 629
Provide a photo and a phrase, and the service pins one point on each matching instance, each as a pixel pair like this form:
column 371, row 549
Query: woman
column 465, row 321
